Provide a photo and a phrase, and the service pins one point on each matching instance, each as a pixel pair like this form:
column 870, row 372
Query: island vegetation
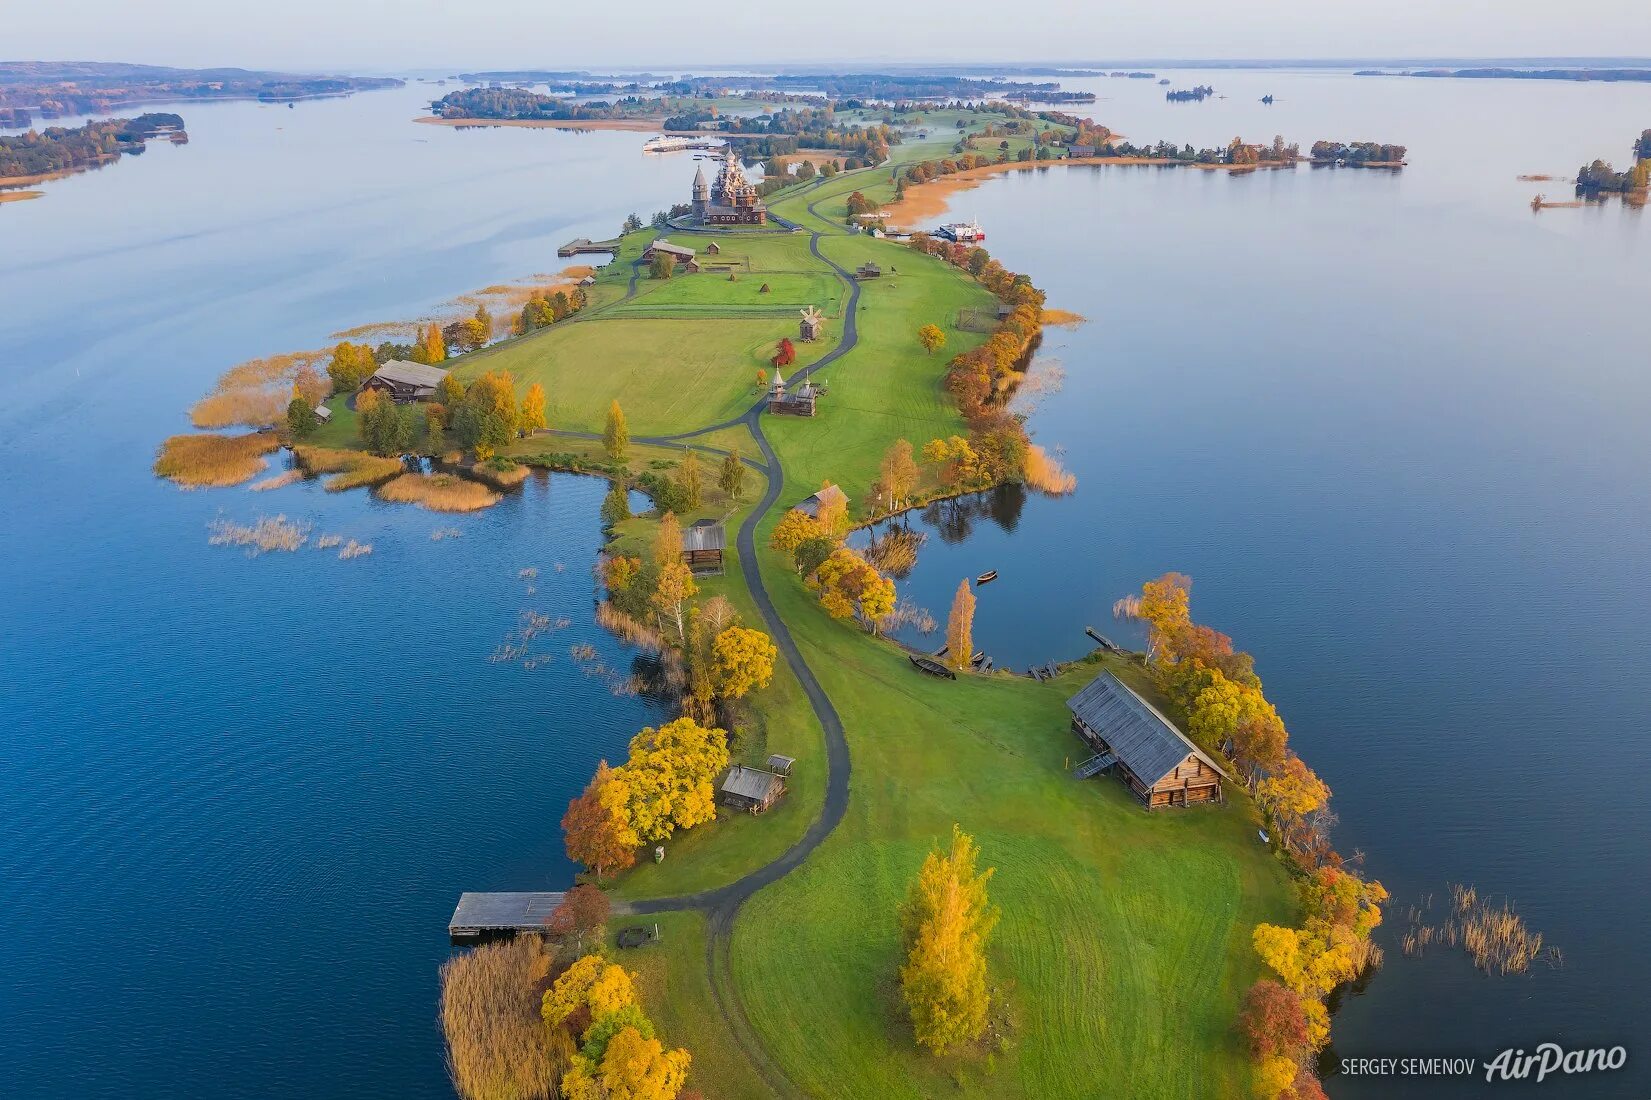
column 59, row 151
column 1190, row 95
column 52, row 89
column 1601, row 178
column 1357, row 154
column 521, row 105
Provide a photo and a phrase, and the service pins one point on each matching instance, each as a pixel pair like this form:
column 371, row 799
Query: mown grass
column 674, row 987
column 1125, row 937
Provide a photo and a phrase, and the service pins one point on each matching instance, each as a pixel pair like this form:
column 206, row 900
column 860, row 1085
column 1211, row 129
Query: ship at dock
column 665, row 144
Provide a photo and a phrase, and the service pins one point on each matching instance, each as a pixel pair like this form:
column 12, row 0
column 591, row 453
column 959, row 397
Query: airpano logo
column 1550, row 1060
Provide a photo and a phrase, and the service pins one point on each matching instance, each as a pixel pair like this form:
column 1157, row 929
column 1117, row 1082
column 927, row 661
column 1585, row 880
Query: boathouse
column 1140, row 746
column 703, row 545
column 831, row 494
column 405, row 382
column 480, row 916
column 750, row 789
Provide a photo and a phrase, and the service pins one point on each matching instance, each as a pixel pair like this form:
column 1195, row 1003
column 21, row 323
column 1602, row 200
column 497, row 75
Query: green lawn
column 787, row 291
column 667, row 374
column 1124, row 943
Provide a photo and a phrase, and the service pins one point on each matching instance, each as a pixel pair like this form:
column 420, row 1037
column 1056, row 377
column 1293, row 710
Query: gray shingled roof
column 750, row 782
column 708, row 537
column 1142, row 738
column 662, row 245
column 811, row 504
column 411, row 374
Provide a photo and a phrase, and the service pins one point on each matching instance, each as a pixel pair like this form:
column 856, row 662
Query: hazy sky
column 453, row 34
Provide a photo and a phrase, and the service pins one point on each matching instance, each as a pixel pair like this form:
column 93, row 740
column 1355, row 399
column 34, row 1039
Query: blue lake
column 1393, row 425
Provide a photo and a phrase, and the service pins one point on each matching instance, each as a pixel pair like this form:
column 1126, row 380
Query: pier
column 584, row 246
column 485, row 914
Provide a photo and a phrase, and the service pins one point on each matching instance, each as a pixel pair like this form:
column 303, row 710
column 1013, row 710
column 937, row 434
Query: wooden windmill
column 812, row 324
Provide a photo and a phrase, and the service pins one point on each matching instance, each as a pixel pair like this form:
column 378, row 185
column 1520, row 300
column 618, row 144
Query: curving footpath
column 722, row 904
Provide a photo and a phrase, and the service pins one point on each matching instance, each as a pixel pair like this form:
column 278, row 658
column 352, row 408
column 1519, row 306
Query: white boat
column 664, row 144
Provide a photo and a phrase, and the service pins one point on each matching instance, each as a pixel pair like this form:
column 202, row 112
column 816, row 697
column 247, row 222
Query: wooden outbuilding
column 868, row 270
column 781, row 765
column 831, row 494
column 750, row 789
column 1131, row 739
column 684, row 257
column 405, row 382
column 323, row 414
column 703, row 546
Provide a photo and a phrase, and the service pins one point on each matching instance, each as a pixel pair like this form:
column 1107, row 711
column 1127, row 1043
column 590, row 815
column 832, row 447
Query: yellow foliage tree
column 932, row 337
column 1165, row 608
column 634, row 1067
column 833, row 513
column 960, row 627
column 742, row 661
column 616, row 436
column 945, row 924
column 1273, row 1076
column 848, row 584
column 794, row 529
column 676, row 587
column 593, row 983
column 532, row 417
column 667, row 544
column 669, row 778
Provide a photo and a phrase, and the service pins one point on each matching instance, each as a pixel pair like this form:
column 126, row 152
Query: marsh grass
column 1046, row 475
column 1494, row 936
column 497, row 1046
column 214, row 460
column 254, row 394
column 352, row 469
column 439, row 492
column 263, row 535
column 498, row 479
column 279, row 481
column 895, row 551
column 354, row 549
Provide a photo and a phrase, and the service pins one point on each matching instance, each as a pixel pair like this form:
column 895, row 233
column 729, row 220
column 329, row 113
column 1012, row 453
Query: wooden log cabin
column 750, row 789
column 1142, row 747
column 703, row 546
column 405, row 382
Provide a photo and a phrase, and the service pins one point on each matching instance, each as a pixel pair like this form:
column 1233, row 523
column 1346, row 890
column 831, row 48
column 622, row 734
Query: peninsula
column 50, row 89
column 35, row 157
column 771, row 382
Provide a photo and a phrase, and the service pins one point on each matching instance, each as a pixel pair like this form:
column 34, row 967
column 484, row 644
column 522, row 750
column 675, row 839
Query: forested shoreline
column 58, row 149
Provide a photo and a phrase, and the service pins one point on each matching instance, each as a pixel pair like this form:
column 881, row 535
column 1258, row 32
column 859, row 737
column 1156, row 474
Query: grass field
column 1124, row 944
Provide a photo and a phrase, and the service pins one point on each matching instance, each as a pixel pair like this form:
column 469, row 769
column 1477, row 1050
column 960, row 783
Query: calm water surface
column 1393, row 425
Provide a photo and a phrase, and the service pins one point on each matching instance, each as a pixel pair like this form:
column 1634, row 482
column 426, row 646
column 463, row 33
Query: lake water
column 1393, row 425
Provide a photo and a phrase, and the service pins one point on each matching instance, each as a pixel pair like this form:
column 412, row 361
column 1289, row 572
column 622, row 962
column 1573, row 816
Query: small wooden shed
column 750, row 789
column 1140, row 746
column 781, row 765
column 703, row 545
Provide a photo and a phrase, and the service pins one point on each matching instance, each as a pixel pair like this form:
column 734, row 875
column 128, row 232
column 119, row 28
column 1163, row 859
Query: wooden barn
column 750, row 789
column 703, row 546
column 810, row 505
column 1140, row 746
column 684, row 257
column 868, row 270
column 405, row 382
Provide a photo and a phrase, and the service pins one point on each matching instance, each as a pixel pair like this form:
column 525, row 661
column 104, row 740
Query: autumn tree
column 848, row 585
column 385, row 427
column 960, row 627
column 689, row 478
column 662, row 266
column 668, row 778
column 301, row 420
column 351, row 365
column 583, row 910
column 597, row 837
column 1164, row 607
column 675, row 587
column 633, row 1067
column 450, row 391
column 794, row 529
column 431, row 348
column 832, row 512
column 616, row 505
column 897, row 476
column 932, row 338
column 945, row 923
column 1289, row 796
column 616, row 437
column 486, row 419
column 484, row 323
column 742, row 661
column 308, row 384
column 731, row 478
column 532, row 417
column 956, row 459
column 1272, row 1021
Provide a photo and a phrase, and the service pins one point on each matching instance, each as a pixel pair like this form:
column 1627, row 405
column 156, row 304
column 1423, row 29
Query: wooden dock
column 585, row 245
column 1106, row 643
column 483, row 914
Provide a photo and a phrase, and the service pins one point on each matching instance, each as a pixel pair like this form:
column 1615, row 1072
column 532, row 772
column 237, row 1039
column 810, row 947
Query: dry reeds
column 497, row 1046
column 263, row 535
column 1063, row 317
column 254, row 394
column 1494, row 936
column 441, row 533
column 1046, row 475
column 354, row 549
column 905, row 614
column 895, row 551
column 214, row 460
column 353, row 469
column 439, row 492
column 498, row 479
column 279, row 481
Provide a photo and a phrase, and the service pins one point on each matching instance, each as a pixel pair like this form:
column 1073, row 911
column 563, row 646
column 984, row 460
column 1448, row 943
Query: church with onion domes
column 731, row 199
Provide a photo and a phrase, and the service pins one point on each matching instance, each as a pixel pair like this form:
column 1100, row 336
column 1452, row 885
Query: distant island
column 57, row 151
column 521, row 105
column 1600, row 178
column 52, row 89
column 1607, row 75
column 1190, row 95
column 1358, row 154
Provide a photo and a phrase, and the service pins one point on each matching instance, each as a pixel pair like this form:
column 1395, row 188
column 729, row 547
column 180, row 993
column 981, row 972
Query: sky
column 682, row 35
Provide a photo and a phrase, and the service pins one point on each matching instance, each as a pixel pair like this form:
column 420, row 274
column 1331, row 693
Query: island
column 52, row 89
column 35, row 157
column 1600, row 177
column 844, row 866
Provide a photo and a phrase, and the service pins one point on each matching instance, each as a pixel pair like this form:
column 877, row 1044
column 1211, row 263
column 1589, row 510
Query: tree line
column 66, row 149
column 1357, row 154
column 1600, row 177
column 522, row 104
column 1285, row 1020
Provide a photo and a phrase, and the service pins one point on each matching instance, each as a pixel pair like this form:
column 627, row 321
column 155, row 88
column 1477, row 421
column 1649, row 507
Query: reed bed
column 259, row 408
column 441, row 533
column 214, row 460
column 905, row 614
column 279, row 481
column 439, row 492
column 1494, row 936
column 1046, row 475
column 254, row 394
column 354, row 549
column 1063, row 317
column 263, row 535
column 895, row 551
column 497, row 478
column 497, row 1046
column 367, row 470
